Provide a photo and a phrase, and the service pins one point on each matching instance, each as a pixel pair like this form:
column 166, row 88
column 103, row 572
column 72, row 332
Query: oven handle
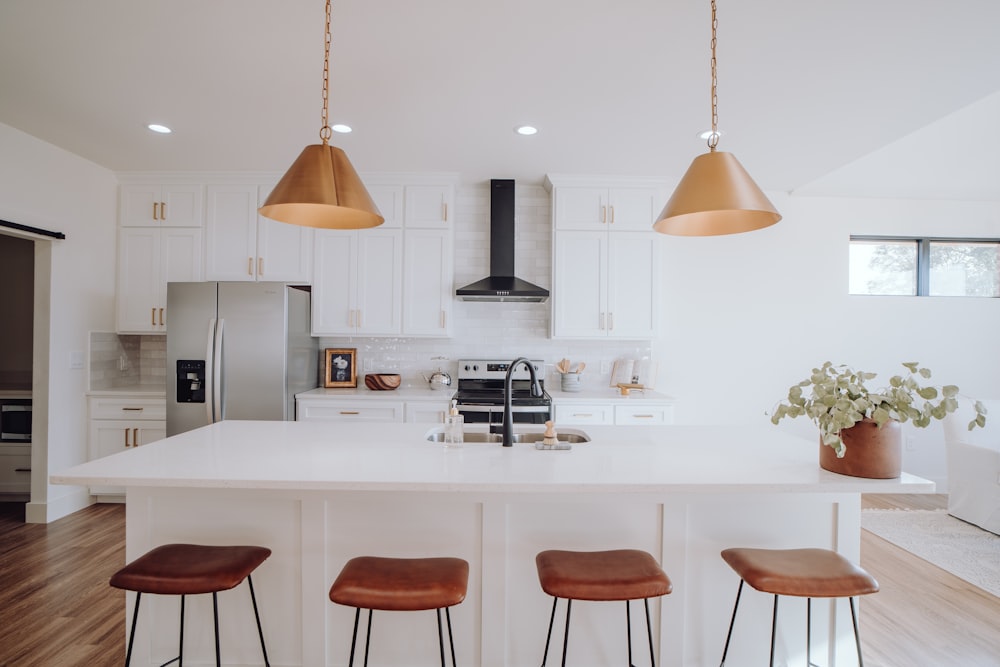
column 499, row 408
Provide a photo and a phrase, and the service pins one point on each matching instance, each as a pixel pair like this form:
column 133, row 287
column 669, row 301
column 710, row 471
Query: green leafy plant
column 838, row 398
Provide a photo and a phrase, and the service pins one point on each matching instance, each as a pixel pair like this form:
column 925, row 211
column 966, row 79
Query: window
column 924, row 267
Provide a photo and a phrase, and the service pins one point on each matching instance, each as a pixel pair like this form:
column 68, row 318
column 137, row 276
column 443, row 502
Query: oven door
column 493, row 414
column 15, row 420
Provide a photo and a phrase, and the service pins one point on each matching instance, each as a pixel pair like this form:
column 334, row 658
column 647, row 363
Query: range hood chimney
column 502, row 284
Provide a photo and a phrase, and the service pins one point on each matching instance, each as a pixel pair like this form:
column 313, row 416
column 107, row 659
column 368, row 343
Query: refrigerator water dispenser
column 190, row 380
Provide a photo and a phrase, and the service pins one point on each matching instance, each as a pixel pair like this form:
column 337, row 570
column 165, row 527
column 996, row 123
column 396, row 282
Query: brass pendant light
column 321, row 188
column 716, row 195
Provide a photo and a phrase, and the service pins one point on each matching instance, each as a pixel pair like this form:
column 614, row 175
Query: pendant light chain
column 713, row 139
column 325, row 132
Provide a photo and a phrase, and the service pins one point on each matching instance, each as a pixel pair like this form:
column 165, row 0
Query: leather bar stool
column 619, row 575
column 808, row 573
column 191, row 569
column 401, row 584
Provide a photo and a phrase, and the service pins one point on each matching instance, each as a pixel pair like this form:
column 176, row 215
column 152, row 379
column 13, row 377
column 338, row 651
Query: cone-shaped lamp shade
column 716, row 196
column 321, row 189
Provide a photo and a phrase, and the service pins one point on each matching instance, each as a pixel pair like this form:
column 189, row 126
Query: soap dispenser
column 454, row 427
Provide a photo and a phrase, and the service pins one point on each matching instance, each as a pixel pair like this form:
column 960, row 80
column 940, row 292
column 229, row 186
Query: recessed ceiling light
column 162, row 129
column 340, row 127
column 526, row 130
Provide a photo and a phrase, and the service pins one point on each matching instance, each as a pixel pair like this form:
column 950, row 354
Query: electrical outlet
column 369, row 365
column 605, row 367
column 76, row 360
column 908, row 444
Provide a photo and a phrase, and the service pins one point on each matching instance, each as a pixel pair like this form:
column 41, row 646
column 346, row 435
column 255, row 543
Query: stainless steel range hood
column 502, row 284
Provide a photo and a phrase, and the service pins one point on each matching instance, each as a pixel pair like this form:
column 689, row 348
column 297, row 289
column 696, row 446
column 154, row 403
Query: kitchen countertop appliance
column 479, row 397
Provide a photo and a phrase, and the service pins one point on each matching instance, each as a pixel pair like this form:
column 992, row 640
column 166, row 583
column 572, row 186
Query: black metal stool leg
column 774, row 628
column 649, row 634
column 368, row 637
column 131, row 634
column 354, row 637
column 215, row 613
column 569, row 605
column 451, row 636
column 857, row 635
column 180, row 648
column 809, row 662
column 260, row 630
column 732, row 622
column 440, row 637
column 548, row 637
column 628, row 631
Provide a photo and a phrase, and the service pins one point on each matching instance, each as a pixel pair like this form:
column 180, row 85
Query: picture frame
column 341, row 367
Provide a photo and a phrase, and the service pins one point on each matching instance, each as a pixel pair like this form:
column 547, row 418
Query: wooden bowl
column 382, row 381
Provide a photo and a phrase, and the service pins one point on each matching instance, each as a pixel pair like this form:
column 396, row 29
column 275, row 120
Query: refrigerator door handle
column 217, row 372
column 210, row 371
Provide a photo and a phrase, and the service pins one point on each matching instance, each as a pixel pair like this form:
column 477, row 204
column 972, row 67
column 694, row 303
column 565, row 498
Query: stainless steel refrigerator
column 237, row 350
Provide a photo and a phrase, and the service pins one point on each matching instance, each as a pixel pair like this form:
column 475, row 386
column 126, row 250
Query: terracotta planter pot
column 872, row 452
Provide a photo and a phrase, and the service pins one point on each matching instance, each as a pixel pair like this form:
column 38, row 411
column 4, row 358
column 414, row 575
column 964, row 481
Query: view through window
column 924, row 267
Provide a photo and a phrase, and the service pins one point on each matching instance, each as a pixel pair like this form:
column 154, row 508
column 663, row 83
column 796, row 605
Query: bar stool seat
column 401, row 584
column 603, row 576
column 191, row 569
column 808, row 573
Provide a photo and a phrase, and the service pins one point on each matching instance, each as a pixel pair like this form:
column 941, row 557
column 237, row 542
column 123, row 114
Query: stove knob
column 467, row 367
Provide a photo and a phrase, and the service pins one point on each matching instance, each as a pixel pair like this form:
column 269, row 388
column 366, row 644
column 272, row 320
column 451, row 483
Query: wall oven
column 15, row 420
column 479, row 397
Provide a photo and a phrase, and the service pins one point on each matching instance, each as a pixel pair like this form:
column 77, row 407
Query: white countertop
column 397, row 457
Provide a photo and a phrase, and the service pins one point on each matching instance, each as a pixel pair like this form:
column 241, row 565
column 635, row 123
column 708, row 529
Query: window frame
column 924, row 257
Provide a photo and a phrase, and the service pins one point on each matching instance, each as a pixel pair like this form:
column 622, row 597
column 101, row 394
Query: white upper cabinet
column 147, row 260
column 394, row 279
column 595, row 208
column 153, row 205
column 242, row 245
column 605, row 259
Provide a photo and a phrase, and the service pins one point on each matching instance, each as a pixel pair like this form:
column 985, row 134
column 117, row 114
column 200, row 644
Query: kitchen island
column 319, row 494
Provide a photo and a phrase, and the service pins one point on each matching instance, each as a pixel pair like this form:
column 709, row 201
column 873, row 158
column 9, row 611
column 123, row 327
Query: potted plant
column 847, row 412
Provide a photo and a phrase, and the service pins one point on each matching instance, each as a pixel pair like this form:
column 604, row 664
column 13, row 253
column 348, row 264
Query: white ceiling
column 615, row 86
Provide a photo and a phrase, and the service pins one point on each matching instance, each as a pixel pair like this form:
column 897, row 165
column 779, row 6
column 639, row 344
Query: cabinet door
column 389, row 200
column 428, row 206
column 634, row 209
column 380, row 284
column 422, row 412
column 138, row 280
column 633, row 285
column 231, row 233
column 15, row 469
column 180, row 262
column 583, row 413
column 578, row 293
column 153, row 205
column 110, row 436
column 334, row 282
column 284, row 251
column 181, row 206
column 427, row 280
column 138, row 204
column 581, row 208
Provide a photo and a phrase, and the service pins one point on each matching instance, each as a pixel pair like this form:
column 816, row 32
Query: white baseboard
column 57, row 508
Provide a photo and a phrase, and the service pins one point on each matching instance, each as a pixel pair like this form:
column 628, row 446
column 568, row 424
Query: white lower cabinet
column 15, row 468
column 423, row 412
column 348, row 410
column 631, row 413
column 120, row 423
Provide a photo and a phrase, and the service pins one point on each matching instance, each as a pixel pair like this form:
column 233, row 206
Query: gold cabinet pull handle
column 135, row 437
column 152, row 316
column 444, row 205
column 127, row 443
column 444, row 317
column 163, row 210
column 604, row 214
column 156, row 215
column 140, row 409
column 161, row 317
column 611, row 321
column 260, row 266
column 583, row 414
column 349, row 412
column 643, row 416
column 350, row 318
column 249, row 266
column 359, row 319
column 612, row 215
column 602, row 322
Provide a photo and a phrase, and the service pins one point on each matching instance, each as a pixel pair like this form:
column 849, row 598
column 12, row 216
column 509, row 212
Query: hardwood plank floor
column 57, row 609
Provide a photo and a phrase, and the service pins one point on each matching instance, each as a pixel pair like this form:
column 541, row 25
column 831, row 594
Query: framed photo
column 341, row 367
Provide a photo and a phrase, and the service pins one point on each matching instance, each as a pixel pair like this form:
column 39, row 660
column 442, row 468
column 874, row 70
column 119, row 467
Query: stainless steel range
column 480, row 393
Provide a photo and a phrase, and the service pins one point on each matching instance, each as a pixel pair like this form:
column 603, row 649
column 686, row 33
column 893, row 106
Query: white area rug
column 962, row 549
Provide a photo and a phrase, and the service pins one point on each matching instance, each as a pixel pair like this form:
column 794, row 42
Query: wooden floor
column 57, row 610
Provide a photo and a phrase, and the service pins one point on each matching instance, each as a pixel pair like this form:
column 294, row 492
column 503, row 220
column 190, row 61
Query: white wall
column 44, row 186
column 749, row 315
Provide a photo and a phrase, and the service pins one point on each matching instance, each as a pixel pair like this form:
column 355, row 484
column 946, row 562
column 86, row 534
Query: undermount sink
column 569, row 436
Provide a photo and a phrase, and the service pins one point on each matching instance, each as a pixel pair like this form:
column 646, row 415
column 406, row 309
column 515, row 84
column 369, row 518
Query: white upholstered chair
column 974, row 465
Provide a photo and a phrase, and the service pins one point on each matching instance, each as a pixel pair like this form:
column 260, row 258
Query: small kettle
column 438, row 379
